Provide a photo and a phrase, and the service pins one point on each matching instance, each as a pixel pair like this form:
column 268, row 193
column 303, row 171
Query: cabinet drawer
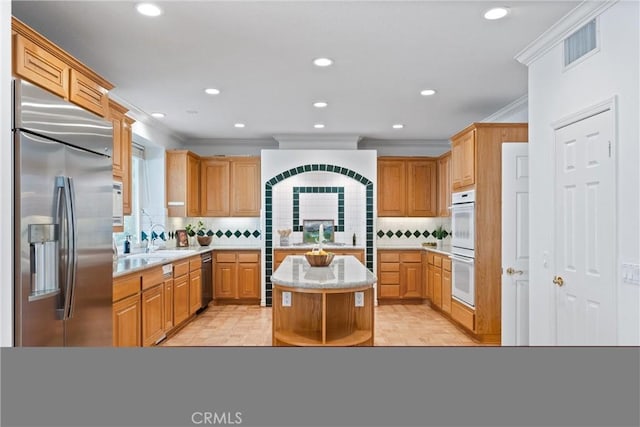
column 125, row 286
column 446, row 264
column 411, row 257
column 226, row 257
column 463, row 315
column 389, row 266
column 152, row 277
column 430, row 257
column 388, row 278
column 437, row 260
column 389, row 291
column 195, row 263
column 180, row 269
column 248, row 257
column 389, row 256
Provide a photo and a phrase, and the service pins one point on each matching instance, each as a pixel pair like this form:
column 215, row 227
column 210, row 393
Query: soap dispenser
column 127, row 244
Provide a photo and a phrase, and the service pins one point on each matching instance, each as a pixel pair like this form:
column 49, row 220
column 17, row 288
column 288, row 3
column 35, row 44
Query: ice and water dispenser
column 44, row 255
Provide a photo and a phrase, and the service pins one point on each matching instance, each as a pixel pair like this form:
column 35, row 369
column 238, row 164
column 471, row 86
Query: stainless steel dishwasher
column 207, row 280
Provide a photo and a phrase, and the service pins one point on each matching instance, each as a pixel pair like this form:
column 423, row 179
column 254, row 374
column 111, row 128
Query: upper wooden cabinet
column 182, row 183
column 230, row 186
column 44, row 64
column 121, row 153
column 463, row 159
column 214, row 185
column 407, row 186
column 444, row 184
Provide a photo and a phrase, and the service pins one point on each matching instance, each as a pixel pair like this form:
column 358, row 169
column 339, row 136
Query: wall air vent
column 580, row 43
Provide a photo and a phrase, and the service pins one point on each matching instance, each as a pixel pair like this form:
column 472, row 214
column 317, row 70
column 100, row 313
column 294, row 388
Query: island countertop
column 345, row 271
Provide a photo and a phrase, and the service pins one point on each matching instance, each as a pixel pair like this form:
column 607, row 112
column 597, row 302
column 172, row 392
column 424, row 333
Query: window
column 580, row 43
column 136, row 223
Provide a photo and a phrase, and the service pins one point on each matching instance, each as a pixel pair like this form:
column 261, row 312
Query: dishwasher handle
column 206, row 257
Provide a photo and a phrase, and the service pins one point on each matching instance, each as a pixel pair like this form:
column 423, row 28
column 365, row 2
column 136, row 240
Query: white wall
column 6, row 187
column 230, row 147
column 554, row 94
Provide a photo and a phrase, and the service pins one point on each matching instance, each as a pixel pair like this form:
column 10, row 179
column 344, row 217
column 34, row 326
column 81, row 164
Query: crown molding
column 572, row 21
column 510, row 108
column 404, row 143
column 307, row 141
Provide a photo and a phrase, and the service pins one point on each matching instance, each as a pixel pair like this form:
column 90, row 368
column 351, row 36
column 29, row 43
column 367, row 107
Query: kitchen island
column 322, row 306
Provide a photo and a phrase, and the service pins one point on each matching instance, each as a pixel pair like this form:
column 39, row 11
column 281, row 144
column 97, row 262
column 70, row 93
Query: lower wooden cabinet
column 400, row 275
column 127, row 311
column 168, row 304
column 236, row 277
column 446, row 291
column 126, row 322
column 152, row 315
column 439, row 281
column 195, row 291
column 180, row 299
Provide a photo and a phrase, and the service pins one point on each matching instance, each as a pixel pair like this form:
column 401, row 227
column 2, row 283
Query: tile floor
column 242, row 325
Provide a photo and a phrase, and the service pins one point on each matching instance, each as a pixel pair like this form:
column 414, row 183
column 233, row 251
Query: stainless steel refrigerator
column 62, row 222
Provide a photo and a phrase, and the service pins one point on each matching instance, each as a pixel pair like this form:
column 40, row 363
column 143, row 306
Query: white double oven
column 463, row 247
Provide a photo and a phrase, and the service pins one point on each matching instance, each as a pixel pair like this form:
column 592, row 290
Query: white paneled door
column 585, row 232
column 515, row 244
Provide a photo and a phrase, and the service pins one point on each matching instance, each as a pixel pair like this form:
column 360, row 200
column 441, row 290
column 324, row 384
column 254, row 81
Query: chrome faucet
column 151, row 246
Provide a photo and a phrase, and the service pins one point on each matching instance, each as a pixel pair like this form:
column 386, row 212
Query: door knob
column 558, row 280
column 511, row 271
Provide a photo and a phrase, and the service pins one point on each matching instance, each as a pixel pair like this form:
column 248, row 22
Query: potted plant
column 201, row 232
column 439, row 235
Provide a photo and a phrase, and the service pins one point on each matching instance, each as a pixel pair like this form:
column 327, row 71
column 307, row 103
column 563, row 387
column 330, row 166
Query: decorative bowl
column 319, row 260
column 204, row 240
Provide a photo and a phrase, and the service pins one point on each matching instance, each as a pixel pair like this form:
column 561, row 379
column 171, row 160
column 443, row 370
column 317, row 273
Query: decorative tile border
column 391, row 234
column 268, row 207
column 296, row 204
column 219, row 233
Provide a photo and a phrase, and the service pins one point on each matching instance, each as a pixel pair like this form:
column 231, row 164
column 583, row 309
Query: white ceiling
column 259, row 54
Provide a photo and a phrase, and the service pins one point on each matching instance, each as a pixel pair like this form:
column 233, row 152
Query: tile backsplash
column 400, row 230
column 226, row 231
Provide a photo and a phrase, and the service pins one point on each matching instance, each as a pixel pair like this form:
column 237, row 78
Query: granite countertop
column 141, row 261
column 444, row 250
column 345, row 271
column 303, row 246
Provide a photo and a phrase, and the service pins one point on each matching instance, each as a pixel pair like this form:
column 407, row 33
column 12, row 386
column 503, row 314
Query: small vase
column 438, row 243
column 204, row 240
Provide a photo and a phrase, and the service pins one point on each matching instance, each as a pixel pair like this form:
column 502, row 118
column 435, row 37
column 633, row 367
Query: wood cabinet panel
column 389, row 291
column 422, row 190
column 127, row 135
column 88, row 93
column 180, row 299
column 411, row 280
column 224, row 280
column 195, row 291
column 168, row 304
column 126, row 322
column 152, row 277
column 446, row 291
column 152, row 315
column 463, row 157
column 391, row 188
column 245, row 187
column 463, row 315
column 215, row 187
column 436, row 289
column 444, row 185
column 182, row 170
column 125, row 286
column 401, row 276
column 248, row 280
column 35, row 64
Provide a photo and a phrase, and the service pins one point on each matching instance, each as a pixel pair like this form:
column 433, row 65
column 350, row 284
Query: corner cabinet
column 236, row 277
column 407, row 187
column 400, row 275
column 182, row 170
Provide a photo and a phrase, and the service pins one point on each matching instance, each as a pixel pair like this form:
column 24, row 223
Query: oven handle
column 465, row 260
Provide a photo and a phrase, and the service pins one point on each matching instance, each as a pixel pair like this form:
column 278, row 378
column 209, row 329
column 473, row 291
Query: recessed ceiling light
column 427, row 92
column 320, row 104
column 239, row 125
column 212, row 91
column 496, row 13
column 322, row 62
column 148, row 9
column 318, row 126
column 158, row 115
column 398, row 126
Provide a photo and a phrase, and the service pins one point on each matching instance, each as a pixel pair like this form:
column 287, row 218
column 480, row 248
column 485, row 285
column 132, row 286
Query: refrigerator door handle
column 74, row 241
column 64, row 192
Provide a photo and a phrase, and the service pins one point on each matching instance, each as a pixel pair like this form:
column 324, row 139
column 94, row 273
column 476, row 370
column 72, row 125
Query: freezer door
column 90, row 320
column 39, row 247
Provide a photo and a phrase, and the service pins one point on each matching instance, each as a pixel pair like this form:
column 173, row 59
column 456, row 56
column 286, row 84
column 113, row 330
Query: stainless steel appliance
column 207, row 280
column 463, row 247
column 62, row 222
